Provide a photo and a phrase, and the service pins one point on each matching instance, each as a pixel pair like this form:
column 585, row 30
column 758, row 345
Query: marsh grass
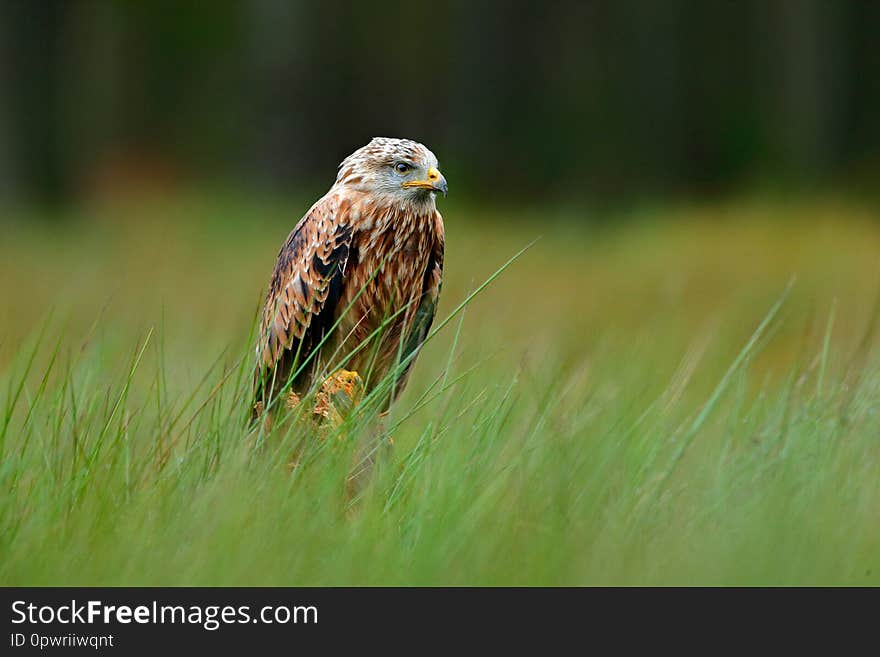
column 571, row 421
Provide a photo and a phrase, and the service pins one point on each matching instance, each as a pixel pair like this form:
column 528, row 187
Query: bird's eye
column 402, row 167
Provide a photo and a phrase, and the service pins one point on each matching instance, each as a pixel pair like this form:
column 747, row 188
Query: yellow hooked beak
column 435, row 182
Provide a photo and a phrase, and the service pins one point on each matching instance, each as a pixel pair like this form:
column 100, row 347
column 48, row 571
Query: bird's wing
column 304, row 291
column 427, row 308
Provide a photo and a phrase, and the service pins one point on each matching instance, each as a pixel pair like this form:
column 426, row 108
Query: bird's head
column 401, row 169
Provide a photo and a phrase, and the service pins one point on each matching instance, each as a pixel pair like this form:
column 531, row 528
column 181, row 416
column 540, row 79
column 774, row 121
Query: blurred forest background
column 565, row 100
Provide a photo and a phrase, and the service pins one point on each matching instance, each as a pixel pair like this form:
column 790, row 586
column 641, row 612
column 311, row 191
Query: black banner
column 167, row 620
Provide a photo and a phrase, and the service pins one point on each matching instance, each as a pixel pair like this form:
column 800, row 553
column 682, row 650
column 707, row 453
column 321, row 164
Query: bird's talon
column 339, row 394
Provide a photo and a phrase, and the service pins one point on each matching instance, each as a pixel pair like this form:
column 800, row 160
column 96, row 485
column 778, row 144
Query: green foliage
column 653, row 405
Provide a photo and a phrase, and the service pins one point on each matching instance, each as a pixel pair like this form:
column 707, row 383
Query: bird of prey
column 356, row 284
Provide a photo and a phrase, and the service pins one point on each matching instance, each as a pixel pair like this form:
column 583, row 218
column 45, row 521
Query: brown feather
column 354, row 259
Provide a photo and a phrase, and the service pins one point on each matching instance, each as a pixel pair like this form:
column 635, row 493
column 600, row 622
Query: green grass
column 690, row 398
